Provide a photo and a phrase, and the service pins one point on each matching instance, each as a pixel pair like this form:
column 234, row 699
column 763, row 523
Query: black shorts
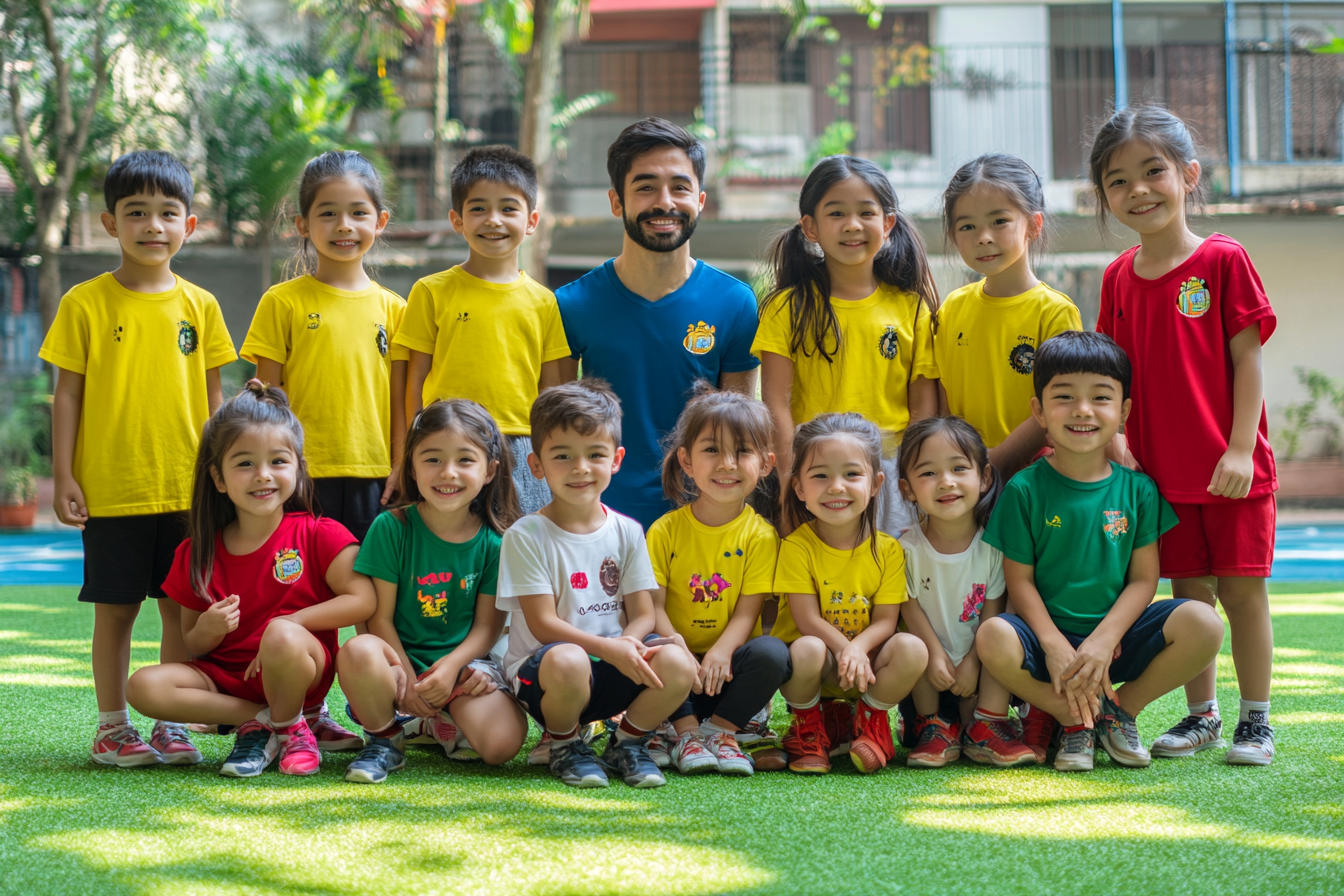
column 126, row 558
column 349, row 500
column 1140, row 644
column 609, row 694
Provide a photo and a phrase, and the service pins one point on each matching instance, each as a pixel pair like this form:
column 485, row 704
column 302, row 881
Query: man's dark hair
column 147, row 171
column 1074, row 351
column 646, row 135
column 586, row 406
column 501, row 164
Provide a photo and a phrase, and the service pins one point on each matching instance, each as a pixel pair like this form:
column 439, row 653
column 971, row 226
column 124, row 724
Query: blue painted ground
column 56, row 557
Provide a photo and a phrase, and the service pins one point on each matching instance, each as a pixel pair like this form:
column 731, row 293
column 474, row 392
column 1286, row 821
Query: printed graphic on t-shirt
column 288, row 566
column 314, row 321
column 848, row 614
column 1053, row 522
column 889, row 343
column 436, row 604
column 464, row 317
column 1022, row 358
column 116, row 334
column 187, row 340
column 610, row 577
column 699, row 338
column 381, row 339
column 963, row 339
column 970, row 606
column 708, row 590
column 1193, row 300
column 1117, row 524
column 578, row 580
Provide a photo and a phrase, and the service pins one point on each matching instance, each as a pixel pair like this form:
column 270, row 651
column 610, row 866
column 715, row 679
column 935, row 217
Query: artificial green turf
column 1186, row 826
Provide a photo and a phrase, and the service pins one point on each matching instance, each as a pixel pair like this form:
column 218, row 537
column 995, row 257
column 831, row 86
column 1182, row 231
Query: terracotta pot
column 18, row 516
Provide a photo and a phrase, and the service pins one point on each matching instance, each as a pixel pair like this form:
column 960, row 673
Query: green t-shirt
column 1078, row 535
column 437, row 581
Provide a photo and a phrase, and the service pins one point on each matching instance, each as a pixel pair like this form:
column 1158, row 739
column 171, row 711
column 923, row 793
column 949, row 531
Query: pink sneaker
column 122, row 746
column 172, row 743
column 331, row 735
column 298, row 750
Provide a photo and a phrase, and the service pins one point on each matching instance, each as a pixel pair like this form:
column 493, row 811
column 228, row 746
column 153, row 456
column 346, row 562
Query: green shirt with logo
column 1078, row 535
column 437, row 581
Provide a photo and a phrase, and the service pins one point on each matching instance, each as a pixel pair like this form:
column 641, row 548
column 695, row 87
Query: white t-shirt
column 951, row 588
column 589, row 575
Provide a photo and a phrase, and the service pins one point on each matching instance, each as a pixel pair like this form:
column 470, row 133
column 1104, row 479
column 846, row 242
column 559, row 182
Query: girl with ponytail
column 848, row 324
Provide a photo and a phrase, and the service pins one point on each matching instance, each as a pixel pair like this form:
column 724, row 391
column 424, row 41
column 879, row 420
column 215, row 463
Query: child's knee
column 360, row 655
column 565, row 667
column 808, row 654
column 1201, row 623
column 674, row 666
column 909, row 652
column 284, row 637
column 771, row 656
column 996, row 641
column 1203, row 589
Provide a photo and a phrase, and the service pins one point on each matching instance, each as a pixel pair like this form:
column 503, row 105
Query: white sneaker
column 729, row 756
column 413, row 732
column 444, row 731
column 691, row 756
column 541, row 753
column 1189, row 736
column 1252, row 744
column 660, row 744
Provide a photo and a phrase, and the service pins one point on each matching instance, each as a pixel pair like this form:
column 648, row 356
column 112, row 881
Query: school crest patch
column 889, row 343
column 381, row 339
column 288, row 566
column 1023, row 356
column 1193, row 300
column 314, row 321
column 699, row 338
column 1116, row 525
column 187, row 341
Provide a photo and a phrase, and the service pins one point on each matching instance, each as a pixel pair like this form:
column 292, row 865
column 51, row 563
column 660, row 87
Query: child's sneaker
column 870, row 747
column 444, row 731
column 298, row 750
column 939, row 743
column 1038, row 728
column 380, row 756
column 630, row 760
column 331, row 736
column 660, row 744
column 254, row 747
column 122, row 746
column 1252, row 744
column 171, row 741
column 574, row 764
column 541, row 753
column 995, row 742
column 691, row 756
column 758, row 731
column 807, row 743
column 839, row 717
column 729, row 756
column 1075, row 750
column 1118, row 734
column 1189, row 736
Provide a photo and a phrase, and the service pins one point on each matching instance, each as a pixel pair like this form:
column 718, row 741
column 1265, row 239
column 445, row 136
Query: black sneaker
column 254, row 748
column 1252, row 744
column 574, row 763
column 630, row 759
column 380, row 756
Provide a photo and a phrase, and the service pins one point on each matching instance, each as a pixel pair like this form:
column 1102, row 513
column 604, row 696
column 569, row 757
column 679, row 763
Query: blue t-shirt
column 652, row 353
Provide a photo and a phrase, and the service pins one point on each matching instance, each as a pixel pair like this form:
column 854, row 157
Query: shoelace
column 726, row 742
column 930, row 733
column 1188, row 726
column 174, row 732
column 1076, row 741
column 253, row 744
column 1126, row 726
column 1256, row 731
column 1001, row 728
column 125, row 735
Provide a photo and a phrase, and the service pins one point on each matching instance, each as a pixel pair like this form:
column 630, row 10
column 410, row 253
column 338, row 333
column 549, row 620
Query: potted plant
column 22, row 427
column 18, row 498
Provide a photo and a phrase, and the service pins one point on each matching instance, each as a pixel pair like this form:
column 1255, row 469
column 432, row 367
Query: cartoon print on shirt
column 1116, row 525
column 706, row 591
column 699, row 338
column 610, row 577
column 578, row 580
column 889, row 343
column 288, row 566
column 187, row 340
column 970, row 606
column 1022, row 358
column 1193, row 299
column 314, row 321
column 380, row 339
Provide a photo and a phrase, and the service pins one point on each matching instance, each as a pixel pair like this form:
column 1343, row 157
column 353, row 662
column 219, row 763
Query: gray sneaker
column 380, row 756
column 692, row 756
column 254, row 748
column 1189, row 736
column 1075, row 751
column 574, row 764
column 630, row 759
column 1252, row 744
column 1118, row 735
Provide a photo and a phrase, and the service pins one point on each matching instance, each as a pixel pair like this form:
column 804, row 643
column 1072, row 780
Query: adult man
column 653, row 320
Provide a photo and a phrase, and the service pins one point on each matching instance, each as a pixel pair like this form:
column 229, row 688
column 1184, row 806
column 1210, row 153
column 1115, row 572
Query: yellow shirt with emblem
column 985, row 348
column 143, row 357
column 881, row 338
column 847, row 583
column 706, row 568
column 337, row 349
column 488, row 341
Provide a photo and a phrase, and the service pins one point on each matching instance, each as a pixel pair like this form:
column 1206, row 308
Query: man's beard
column 661, row 242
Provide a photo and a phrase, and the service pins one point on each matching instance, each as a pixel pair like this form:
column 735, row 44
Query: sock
column 1207, row 708
column 708, row 729
column 116, row 717
column 876, row 704
column 808, row 705
column 563, row 737
column 1254, row 711
column 392, row 730
column 281, row 727
column 628, row 732
column 987, row 715
column 264, row 717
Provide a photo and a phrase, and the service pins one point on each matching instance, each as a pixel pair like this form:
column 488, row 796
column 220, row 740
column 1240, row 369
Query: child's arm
column 717, row 666
column 380, row 625
column 354, row 599
column 417, row 371
column 398, row 434
column 568, row 369
column 639, row 615
column 1059, row 653
column 270, row 372
column 626, row 653
column 968, row 670
column 214, row 390
column 1235, row 473
column 662, row 625
column 922, row 398
column 65, row 410
column 202, row 632
column 1087, row 673
column 741, row 381
column 552, row 374
column 940, row 671
column 440, row 682
column 776, row 391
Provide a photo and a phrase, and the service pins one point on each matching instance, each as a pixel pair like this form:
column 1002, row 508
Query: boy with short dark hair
column 484, row 330
column 577, row 578
column 139, row 351
column 1079, row 540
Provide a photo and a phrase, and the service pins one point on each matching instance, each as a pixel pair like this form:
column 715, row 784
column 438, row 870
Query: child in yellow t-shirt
column 485, row 330
column 988, row 332
column 138, row 352
column 714, row 561
column 841, row 582
column 327, row 336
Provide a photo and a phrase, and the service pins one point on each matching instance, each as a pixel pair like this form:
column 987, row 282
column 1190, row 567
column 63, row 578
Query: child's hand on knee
column 941, row 673
column 968, row 676
column 855, row 669
column 436, row 684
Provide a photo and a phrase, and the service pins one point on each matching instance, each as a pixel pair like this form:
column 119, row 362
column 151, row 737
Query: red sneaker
column 122, row 746
column 807, row 743
column 939, row 743
column 172, row 743
column 870, row 747
column 298, row 750
column 995, row 743
column 839, row 718
column 331, row 735
column 1038, row 727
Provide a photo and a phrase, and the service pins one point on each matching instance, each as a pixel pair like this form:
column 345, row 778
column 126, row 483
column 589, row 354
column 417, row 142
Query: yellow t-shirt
column 880, row 339
column 337, row 351
column 985, row 348
column 847, row 583
column 705, row 569
column 143, row 357
column 488, row 340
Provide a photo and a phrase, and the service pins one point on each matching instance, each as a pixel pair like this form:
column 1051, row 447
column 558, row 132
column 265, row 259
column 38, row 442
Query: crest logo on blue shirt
column 699, row 338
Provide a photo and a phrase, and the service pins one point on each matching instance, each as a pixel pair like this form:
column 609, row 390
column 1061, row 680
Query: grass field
column 1191, row 826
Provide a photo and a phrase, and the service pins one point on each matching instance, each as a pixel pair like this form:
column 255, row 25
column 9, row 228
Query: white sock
column 1199, row 709
column 1254, row 711
column 282, row 727
column 708, row 729
column 116, row 717
column 264, row 717
column 876, row 703
column 808, row 705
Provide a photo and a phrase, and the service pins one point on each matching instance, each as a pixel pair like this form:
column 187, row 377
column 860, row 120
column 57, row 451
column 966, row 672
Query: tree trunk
column 534, row 138
column 52, row 214
column 442, row 200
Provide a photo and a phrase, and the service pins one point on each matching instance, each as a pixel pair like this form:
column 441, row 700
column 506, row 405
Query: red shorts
column 1235, row 538
column 232, row 683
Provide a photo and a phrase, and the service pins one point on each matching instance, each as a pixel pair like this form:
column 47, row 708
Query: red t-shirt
column 283, row 576
column 1177, row 331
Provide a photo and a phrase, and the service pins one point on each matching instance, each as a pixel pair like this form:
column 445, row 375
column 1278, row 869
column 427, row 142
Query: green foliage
column 25, row 438
column 1302, row 416
column 836, row 140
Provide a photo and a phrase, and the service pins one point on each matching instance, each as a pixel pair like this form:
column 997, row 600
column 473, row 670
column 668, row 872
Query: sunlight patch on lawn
column 31, row 608
column 28, row 661
column 45, row 681
column 1308, row 718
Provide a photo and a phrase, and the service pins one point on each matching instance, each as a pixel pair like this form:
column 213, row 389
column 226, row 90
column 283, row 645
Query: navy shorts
column 126, row 558
column 1141, row 643
column 349, row 500
column 609, row 691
